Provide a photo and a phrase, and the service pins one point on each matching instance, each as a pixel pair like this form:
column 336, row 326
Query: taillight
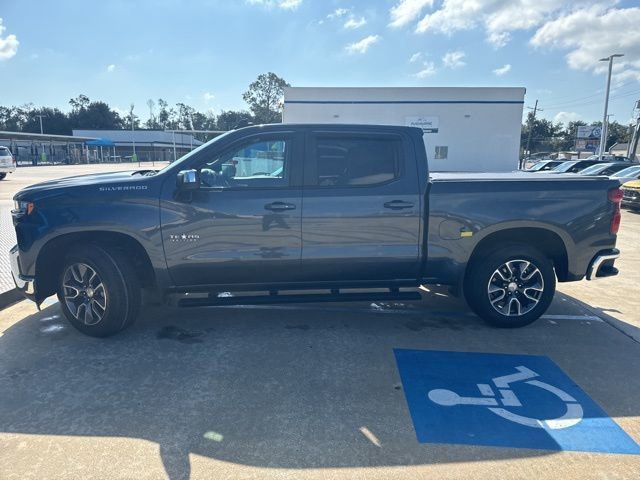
column 615, row 197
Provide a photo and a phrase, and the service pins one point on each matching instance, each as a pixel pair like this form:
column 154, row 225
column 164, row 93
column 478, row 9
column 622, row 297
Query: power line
column 598, row 93
column 613, row 97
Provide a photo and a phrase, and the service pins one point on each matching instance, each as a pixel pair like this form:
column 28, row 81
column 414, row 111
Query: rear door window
column 352, row 161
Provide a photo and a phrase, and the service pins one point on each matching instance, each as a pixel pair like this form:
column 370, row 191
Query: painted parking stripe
column 512, row 401
column 591, row 318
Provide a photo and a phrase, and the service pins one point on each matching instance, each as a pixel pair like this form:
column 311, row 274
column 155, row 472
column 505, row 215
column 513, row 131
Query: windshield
column 595, row 169
column 627, row 172
column 538, row 166
column 195, row 151
column 564, row 167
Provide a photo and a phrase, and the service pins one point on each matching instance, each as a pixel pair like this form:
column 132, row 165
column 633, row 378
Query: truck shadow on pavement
column 275, row 388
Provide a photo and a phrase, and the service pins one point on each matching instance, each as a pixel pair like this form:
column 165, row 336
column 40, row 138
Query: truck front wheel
column 511, row 286
column 98, row 291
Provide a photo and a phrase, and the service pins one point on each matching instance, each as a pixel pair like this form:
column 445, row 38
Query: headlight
column 23, row 208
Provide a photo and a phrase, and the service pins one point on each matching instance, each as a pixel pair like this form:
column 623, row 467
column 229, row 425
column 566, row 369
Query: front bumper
column 631, row 198
column 602, row 264
column 26, row 285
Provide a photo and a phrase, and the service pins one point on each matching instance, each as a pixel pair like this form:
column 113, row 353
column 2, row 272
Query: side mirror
column 188, row 180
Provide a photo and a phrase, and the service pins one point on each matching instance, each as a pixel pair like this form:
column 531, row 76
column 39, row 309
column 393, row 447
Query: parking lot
column 328, row 390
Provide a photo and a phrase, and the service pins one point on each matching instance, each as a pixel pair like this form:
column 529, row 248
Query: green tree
column 265, row 98
column 617, row 133
column 54, row 121
column 166, row 116
column 545, row 135
column 230, row 119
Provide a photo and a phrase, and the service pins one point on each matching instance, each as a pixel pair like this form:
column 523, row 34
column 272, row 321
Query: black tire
column 523, row 302
column 2, row 175
column 121, row 293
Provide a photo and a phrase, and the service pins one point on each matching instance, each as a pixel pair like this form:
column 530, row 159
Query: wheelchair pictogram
column 506, row 397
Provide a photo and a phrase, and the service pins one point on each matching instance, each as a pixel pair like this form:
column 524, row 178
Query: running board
column 298, row 298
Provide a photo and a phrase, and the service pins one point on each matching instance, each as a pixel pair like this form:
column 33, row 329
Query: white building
column 466, row 129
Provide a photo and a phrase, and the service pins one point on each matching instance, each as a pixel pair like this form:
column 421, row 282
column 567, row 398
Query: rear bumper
column 602, row 264
column 7, row 169
column 26, row 285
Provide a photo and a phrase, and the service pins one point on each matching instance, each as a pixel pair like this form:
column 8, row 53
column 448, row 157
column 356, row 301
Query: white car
column 7, row 162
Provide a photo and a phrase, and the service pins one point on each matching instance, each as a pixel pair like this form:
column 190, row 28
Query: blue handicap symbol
column 520, row 401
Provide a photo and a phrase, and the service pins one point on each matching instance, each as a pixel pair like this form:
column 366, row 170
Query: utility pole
column 40, row 117
column 603, row 134
column 531, row 123
column 133, row 137
column 633, row 143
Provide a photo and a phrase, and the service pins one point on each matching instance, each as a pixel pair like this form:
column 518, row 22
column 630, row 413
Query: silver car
column 7, row 162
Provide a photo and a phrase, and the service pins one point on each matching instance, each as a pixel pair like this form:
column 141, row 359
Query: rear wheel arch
column 544, row 240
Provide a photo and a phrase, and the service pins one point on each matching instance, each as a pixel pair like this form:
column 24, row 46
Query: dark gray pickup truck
column 343, row 209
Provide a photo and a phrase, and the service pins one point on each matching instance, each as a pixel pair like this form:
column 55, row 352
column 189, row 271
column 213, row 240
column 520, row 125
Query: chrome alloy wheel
column 84, row 293
column 515, row 288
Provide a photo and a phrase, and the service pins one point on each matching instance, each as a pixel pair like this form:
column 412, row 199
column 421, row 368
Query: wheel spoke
column 497, row 299
column 71, row 296
column 88, row 314
column 507, row 309
column 504, row 277
column 526, row 278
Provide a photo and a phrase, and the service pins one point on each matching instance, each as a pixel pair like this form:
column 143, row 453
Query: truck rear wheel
column 512, row 286
column 98, row 291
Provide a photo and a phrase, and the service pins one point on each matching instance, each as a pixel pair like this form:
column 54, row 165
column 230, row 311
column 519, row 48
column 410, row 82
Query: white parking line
column 590, row 318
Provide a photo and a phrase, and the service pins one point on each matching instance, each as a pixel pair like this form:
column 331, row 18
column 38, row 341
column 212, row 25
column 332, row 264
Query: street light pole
column 603, row 133
column 133, row 137
column 40, row 117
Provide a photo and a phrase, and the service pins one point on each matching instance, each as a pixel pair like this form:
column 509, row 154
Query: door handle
column 279, row 206
column 398, row 205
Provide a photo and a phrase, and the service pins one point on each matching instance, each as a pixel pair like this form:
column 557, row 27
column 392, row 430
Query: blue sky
column 205, row 52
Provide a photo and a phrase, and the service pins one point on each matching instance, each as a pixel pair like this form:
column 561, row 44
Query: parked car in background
column 604, row 168
column 631, row 195
column 544, row 165
column 573, row 166
column 609, row 158
column 628, row 174
column 7, row 162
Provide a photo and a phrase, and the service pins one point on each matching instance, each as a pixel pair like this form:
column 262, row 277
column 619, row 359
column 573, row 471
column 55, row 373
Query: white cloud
column 337, row 13
column 566, row 117
column 289, row 4
column 111, row 68
column 593, row 33
column 497, row 17
column 454, row 59
column 208, row 97
column 428, row 70
column 354, row 23
column 405, row 11
column 363, row 45
column 415, row 57
column 8, row 44
column 503, row 70
column 284, row 4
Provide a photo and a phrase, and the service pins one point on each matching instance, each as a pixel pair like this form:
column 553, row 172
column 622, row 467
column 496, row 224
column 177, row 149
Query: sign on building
column 427, row 124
